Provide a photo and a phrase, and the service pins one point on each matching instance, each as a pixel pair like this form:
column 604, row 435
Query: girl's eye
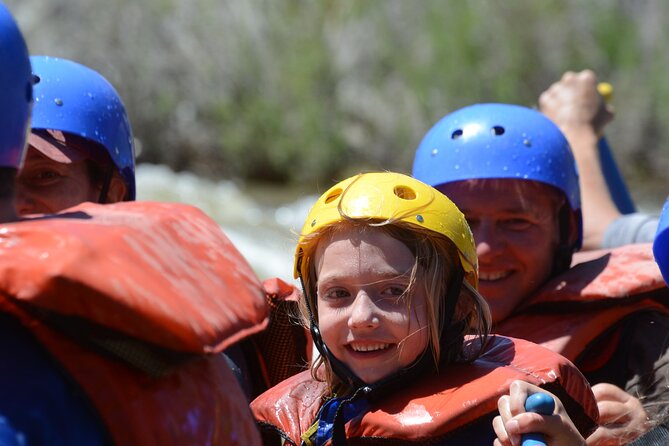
column 336, row 293
column 395, row 291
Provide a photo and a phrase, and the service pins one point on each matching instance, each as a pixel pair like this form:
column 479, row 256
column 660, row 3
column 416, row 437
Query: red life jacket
column 135, row 301
column 572, row 311
column 436, row 406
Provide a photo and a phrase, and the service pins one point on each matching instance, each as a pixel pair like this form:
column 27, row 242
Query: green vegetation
column 303, row 92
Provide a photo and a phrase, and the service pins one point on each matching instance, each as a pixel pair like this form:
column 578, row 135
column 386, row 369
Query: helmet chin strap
column 565, row 250
column 340, row 369
column 106, row 184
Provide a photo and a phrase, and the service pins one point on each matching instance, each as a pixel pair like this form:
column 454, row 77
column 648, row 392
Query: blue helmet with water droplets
column 16, row 95
column 661, row 242
column 499, row 141
column 72, row 98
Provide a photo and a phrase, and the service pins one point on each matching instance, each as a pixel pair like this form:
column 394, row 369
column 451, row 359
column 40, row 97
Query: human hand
column 574, row 103
column 622, row 418
column 513, row 421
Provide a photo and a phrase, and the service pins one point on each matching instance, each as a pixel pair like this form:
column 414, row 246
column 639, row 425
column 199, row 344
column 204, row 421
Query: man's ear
column 117, row 189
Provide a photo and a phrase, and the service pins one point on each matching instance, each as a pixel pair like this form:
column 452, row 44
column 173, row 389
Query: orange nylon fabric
column 435, row 406
column 574, row 309
column 162, row 273
column 198, row 403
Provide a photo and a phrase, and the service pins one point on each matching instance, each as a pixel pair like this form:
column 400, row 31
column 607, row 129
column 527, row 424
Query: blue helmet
column 499, row 141
column 72, row 98
column 661, row 242
column 16, row 95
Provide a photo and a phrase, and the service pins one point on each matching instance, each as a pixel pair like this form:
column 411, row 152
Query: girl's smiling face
column 368, row 317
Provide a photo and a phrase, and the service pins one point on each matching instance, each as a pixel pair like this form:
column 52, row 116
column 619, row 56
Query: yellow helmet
column 391, row 196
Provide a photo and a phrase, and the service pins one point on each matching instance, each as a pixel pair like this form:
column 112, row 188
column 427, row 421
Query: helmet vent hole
column 36, row 79
column 332, row 196
column 405, row 192
column 497, row 130
column 457, row 134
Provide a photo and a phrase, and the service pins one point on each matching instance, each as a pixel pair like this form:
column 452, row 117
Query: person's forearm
column 598, row 207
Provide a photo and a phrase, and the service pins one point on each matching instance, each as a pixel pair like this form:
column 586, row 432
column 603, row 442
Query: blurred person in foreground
column 511, row 171
column 16, row 99
column 111, row 317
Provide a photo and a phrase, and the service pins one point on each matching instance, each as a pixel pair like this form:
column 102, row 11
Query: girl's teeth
column 369, row 348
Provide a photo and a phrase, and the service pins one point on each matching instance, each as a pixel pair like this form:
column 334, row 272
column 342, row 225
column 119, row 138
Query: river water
column 265, row 234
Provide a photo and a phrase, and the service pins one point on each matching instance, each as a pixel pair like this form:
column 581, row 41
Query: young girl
column 389, row 272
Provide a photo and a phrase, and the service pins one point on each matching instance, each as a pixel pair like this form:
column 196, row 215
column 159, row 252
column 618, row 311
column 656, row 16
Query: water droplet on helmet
column 58, row 102
column 527, row 142
column 505, row 168
column 435, row 151
column 456, row 167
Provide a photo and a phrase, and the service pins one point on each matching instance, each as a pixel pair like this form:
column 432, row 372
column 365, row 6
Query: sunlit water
column 265, row 235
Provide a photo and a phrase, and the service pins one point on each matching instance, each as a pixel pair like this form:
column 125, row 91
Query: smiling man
column 513, row 235
column 512, row 173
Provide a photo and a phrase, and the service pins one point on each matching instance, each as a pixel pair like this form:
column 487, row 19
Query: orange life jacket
column 437, row 406
column 135, row 301
column 573, row 310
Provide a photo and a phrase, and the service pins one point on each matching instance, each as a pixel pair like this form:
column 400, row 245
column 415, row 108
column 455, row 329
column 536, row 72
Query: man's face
column 516, row 233
column 45, row 186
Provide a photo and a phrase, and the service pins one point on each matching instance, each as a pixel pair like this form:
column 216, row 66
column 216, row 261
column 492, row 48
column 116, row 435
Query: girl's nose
column 364, row 312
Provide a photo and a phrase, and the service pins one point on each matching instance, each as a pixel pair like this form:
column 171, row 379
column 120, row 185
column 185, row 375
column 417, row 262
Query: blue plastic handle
column 614, row 179
column 543, row 404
